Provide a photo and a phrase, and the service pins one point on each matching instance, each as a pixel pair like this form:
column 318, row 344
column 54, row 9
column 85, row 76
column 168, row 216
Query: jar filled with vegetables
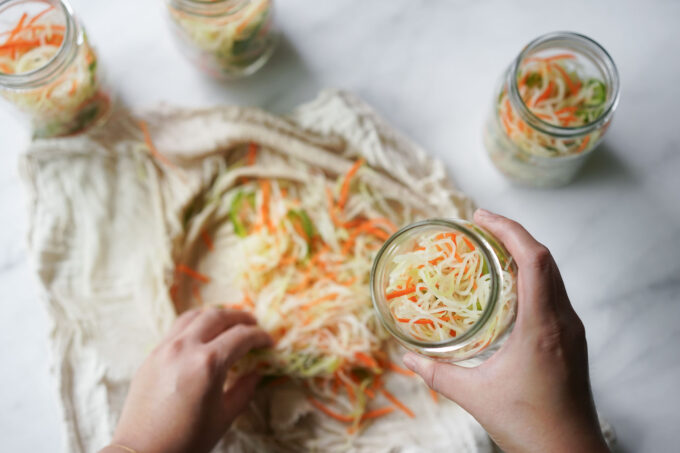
column 48, row 70
column 446, row 289
column 225, row 38
column 551, row 109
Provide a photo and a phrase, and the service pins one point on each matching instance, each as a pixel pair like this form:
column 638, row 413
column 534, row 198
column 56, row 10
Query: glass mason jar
column 495, row 302
column 225, row 38
column 48, row 70
column 552, row 107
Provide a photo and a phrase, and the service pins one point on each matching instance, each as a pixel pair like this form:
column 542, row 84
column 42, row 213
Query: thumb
column 455, row 382
column 237, row 397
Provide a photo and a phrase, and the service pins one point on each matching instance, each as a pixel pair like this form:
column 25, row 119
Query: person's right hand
column 534, row 394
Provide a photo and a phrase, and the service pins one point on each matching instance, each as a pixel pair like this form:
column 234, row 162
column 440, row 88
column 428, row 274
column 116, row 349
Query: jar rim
column 596, row 52
column 495, row 269
column 209, row 8
column 46, row 73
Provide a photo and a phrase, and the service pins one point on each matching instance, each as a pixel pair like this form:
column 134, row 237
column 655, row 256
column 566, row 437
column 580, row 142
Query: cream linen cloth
column 105, row 223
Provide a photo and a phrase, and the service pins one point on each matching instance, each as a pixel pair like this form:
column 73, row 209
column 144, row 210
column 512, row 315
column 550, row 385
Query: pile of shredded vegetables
column 66, row 104
column 301, row 258
column 554, row 91
column 234, row 40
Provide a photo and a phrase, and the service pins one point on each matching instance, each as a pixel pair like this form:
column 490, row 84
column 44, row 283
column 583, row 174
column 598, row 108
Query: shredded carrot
column 344, row 192
column 469, row 244
column 152, row 148
column 561, row 56
column 39, row 15
column 396, row 368
column 331, row 413
column 434, row 396
column 397, row 403
column 366, row 360
column 545, row 94
column 417, row 321
column 573, row 87
column 205, row 237
column 251, row 156
column 376, row 413
column 321, row 299
column 18, row 28
column 264, row 210
column 331, row 207
column 192, row 273
column 402, row 292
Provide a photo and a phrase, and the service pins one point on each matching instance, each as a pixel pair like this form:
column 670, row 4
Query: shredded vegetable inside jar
column 554, row 105
column 225, row 38
column 48, row 69
column 445, row 289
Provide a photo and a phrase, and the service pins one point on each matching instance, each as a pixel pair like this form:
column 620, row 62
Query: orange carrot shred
column 205, row 237
column 152, row 148
column 344, row 192
column 399, row 293
column 396, row 368
column 252, row 154
column 366, row 360
column 375, row 413
column 192, row 273
column 397, row 403
column 331, row 413
column 433, row 394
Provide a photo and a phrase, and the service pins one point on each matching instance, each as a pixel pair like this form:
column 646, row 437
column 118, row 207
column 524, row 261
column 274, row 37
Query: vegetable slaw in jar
column 48, row 70
column 445, row 289
column 553, row 106
column 225, row 38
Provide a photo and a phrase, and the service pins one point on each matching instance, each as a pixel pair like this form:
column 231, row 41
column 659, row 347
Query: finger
column 213, row 321
column 521, row 245
column 538, row 276
column 236, row 342
column 181, row 322
column 455, row 382
column 237, row 397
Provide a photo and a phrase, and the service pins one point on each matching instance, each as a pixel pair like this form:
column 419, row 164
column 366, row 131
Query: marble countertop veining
column 429, row 68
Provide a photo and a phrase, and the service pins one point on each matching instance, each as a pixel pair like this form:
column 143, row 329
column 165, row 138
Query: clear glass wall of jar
column 224, row 38
column 551, row 109
column 48, row 70
column 496, row 292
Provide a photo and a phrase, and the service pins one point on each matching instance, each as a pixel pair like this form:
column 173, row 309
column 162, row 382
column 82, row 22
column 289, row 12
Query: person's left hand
column 177, row 401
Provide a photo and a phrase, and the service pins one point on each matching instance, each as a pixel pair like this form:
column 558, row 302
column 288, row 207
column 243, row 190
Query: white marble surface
column 429, row 67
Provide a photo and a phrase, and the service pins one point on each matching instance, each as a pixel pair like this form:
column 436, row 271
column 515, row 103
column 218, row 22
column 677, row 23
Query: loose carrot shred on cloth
column 331, row 413
column 393, row 399
column 366, row 360
column 251, row 156
column 376, row 413
column 152, row 148
column 192, row 273
column 434, row 396
column 396, row 368
column 265, row 186
column 344, row 191
column 207, row 240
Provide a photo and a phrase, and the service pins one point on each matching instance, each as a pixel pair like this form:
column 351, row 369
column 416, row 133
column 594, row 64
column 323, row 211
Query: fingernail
column 410, row 361
column 483, row 213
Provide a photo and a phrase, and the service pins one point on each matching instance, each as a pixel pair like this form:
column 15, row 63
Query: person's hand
column 533, row 395
column 177, row 401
